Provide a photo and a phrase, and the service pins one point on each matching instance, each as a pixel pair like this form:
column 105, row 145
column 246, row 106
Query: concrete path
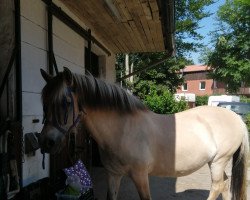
column 192, row 187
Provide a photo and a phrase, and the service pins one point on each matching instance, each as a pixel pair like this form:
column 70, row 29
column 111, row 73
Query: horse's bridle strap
column 75, row 123
column 76, row 120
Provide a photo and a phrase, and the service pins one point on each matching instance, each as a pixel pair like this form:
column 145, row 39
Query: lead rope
column 74, row 125
column 66, row 132
column 68, row 149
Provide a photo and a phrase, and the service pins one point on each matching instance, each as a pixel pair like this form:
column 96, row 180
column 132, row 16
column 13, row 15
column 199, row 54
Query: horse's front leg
column 113, row 186
column 141, row 181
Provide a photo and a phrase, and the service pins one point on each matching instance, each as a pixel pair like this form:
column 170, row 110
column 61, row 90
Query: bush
column 244, row 99
column 247, row 120
column 201, row 100
column 157, row 97
column 162, row 101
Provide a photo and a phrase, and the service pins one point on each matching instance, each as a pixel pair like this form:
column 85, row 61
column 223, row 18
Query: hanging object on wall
column 31, row 143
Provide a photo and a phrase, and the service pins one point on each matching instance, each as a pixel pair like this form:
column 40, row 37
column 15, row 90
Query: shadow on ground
column 161, row 189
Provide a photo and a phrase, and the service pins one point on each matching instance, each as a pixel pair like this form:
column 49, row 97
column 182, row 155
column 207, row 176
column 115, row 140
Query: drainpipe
column 167, row 14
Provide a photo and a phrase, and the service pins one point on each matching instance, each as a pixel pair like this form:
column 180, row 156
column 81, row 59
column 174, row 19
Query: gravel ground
column 192, row 187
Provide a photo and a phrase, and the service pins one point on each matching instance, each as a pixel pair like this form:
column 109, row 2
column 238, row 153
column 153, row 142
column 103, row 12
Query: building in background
column 198, row 83
column 196, row 80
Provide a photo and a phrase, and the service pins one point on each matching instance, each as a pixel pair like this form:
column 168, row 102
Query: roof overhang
column 128, row 26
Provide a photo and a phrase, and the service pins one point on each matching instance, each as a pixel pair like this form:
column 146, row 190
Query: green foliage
column 158, row 98
column 231, row 57
column 244, row 99
column 247, row 121
column 201, row 100
column 164, row 103
column 188, row 14
column 156, row 86
column 164, row 74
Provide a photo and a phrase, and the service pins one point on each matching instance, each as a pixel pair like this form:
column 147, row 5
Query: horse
column 139, row 143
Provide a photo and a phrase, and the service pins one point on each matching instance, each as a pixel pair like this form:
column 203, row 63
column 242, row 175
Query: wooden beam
column 61, row 15
column 139, row 28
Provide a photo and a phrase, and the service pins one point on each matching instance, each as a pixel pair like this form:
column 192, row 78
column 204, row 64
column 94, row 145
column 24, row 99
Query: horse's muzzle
column 50, row 140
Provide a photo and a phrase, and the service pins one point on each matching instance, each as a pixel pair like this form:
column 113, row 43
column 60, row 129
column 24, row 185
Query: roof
column 196, row 68
column 127, row 26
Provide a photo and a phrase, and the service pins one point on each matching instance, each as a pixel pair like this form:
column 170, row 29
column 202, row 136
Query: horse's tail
column 239, row 171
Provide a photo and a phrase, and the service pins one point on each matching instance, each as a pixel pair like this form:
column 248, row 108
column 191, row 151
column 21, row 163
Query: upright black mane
column 91, row 92
column 98, row 94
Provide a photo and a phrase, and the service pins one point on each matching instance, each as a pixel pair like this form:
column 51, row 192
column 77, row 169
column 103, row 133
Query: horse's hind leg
column 226, row 193
column 141, row 181
column 113, row 186
column 219, row 181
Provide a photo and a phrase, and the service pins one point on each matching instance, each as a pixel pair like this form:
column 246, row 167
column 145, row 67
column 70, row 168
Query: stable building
column 81, row 35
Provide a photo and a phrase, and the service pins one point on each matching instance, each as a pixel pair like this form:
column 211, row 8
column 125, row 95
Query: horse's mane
column 98, row 94
column 92, row 92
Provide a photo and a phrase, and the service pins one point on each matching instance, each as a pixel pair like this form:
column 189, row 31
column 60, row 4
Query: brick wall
column 193, row 86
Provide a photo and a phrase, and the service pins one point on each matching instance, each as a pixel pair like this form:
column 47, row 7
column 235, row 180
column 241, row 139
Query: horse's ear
column 67, row 74
column 47, row 77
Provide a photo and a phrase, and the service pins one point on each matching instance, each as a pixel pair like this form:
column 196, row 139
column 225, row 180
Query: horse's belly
column 180, row 166
column 189, row 165
column 184, row 159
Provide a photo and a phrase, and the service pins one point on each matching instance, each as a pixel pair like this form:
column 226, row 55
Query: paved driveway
column 193, row 187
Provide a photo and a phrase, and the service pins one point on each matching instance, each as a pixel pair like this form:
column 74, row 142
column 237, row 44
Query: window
column 202, row 85
column 184, row 87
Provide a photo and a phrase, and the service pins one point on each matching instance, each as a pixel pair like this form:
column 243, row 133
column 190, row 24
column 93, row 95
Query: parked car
column 240, row 108
column 215, row 100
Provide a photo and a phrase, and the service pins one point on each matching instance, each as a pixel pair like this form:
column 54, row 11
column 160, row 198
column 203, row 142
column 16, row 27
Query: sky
column 207, row 25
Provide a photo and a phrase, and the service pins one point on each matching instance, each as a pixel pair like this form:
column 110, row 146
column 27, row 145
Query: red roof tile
column 194, row 68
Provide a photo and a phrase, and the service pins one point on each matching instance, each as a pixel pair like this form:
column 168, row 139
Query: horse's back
column 220, row 122
column 216, row 119
column 225, row 127
column 195, row 137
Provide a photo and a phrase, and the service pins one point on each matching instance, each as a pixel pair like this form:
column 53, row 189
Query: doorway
column 92, row 66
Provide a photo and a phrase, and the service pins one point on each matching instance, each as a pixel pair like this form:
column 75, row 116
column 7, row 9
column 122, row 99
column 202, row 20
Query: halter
column 75, row 119
column 57, row 125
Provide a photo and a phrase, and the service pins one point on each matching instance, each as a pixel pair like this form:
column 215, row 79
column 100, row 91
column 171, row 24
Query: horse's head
column 61, row 111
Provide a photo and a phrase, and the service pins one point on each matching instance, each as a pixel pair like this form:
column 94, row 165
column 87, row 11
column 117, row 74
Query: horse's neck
column 104, row 126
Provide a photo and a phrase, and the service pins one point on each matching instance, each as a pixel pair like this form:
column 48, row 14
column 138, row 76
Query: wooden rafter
column 127, row 26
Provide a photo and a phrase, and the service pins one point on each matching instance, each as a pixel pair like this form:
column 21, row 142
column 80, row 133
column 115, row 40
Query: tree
column 230, row 57
column 164, row 76
column 188, row 15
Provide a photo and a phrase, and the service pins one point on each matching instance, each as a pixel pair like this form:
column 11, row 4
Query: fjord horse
column 137, row 142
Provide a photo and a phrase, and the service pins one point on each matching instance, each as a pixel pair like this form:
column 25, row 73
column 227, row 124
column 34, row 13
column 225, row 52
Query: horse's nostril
column 50, row 143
